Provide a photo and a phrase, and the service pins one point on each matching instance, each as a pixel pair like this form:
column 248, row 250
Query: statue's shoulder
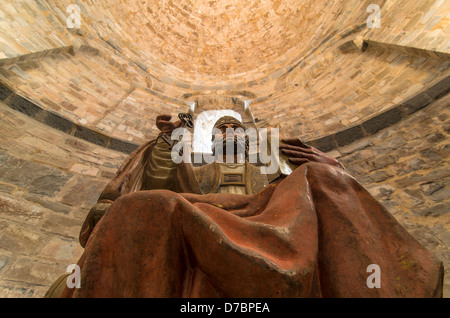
column 207, row 177
column 256, row 180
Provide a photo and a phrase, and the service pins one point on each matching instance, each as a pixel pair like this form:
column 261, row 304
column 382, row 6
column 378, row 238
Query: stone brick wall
column 48, row 182
column 316, row 63
column 406, row 167
column 73, row 102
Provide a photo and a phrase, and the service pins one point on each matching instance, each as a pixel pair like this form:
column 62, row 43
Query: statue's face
column 231, row 132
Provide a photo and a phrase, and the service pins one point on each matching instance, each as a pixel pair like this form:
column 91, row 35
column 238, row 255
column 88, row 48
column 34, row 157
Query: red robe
column 312, row 234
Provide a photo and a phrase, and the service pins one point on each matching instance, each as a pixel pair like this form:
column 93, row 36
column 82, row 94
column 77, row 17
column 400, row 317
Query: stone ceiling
column 217, row 40
column 313, row 69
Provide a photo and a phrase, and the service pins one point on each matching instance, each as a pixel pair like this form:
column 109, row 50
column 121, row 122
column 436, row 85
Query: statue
column 162, row 229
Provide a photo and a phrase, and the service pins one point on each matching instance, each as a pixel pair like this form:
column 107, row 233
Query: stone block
column 417, row 102
column 58, row 122
column 349, row 46
column 82, row 191
column 435, row 137
column 426, row 238
column 24, row 106
column 51, row 205
column 356, row 146
column 62, row 250
column 6, row 188
column 382, row 120
column 5, row 92
column 49, row 184
column 78, row 144
column 91, row 136
column 15, row 209
column 392, row 206
column 20, row 239
column 417, row 164
column 413, row 147
column 34, row 177
column 435, row 210
column 44, row 147
column 122, row 146
column 349, row 135
column 412, row 198
column 108, row 164
column 66, row 226
column 34, row 272
column 430, row 187
column 381, row 162
column 440, row 195
column 325, row 144
column 381, row 192
column 7, row 290
column 86, row 170
column 439, row 89
column 381, row 175
column 423, row 177
column 392, row 143
column 430, row 155
column 3, row 261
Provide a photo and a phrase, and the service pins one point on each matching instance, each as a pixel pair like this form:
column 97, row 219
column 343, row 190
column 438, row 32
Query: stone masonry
column 49, row 180
column 75, row 101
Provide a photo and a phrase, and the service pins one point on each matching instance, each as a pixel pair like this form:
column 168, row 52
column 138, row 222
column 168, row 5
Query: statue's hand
column 299, row 153
column 93, row 217
column 97, row 212
column 165, row 125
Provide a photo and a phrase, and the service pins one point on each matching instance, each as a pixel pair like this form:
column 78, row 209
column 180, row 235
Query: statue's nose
column 231, row 133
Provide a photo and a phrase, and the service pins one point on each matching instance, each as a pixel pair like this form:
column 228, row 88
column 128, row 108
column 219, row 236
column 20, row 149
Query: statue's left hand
column 164, row 124
column 299, row 153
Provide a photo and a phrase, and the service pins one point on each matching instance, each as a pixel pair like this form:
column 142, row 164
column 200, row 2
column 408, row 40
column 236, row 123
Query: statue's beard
column 239, row 145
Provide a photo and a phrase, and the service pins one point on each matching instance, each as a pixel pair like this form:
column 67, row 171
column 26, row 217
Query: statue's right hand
column 165, row 125
column 94, row 216
column 299, row 153
column 97, row 212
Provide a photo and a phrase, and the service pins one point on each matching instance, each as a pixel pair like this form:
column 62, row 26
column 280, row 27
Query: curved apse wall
column 130, row 60
column 314, row 69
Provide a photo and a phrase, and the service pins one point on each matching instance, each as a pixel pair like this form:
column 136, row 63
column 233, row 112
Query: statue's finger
column 303, row 145
column 161, row 124
column 290, row 141
column 296, row 142
column 296, row 154
column 178, row 123
column 163, row 117
column 298, row 161
column 296, row 148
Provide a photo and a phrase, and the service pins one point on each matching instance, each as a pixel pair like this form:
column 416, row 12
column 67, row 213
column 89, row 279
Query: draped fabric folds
column 312, row 234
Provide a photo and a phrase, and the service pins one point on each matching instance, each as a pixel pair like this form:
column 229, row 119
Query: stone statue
column 162, row 229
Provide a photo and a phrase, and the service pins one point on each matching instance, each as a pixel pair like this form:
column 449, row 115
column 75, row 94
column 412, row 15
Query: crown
column 228, row 120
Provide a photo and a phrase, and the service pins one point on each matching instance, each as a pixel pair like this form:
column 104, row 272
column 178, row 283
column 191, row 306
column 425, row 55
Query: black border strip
column 387, row 118
column 326, row 143
column 31, row 109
